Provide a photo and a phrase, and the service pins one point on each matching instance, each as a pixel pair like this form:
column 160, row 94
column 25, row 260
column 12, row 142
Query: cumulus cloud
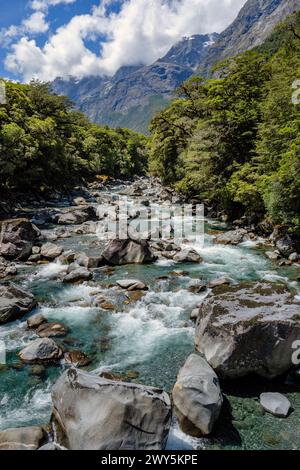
column 140, row 32
column 36, row 23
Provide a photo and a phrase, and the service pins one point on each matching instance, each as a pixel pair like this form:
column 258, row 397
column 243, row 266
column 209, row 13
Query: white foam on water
column 49, row 271
column 15, row 336
column 74, row 315
column 155, row 320
column 77, row 293
column 164, row 262
column 36, row 403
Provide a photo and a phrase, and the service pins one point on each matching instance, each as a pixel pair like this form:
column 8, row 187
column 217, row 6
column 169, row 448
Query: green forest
column 233, row 141
column 45, row 144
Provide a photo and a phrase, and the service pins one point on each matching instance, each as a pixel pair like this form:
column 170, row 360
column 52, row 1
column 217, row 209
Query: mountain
column 132, row 96
column 135, row 93
column 253, row 25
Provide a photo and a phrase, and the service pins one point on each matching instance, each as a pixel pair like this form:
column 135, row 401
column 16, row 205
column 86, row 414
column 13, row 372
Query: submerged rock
column 14, row 303
column 275, row 403
column 197, row 397
column 17, row 237
column 128, row 251
column 94, row 413
column 29, row 438
column 40, row 351
column 248, row 328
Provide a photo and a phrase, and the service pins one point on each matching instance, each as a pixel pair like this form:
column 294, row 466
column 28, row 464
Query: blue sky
column 50, row 38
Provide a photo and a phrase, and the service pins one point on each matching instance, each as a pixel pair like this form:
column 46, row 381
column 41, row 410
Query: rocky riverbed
column 205, row 331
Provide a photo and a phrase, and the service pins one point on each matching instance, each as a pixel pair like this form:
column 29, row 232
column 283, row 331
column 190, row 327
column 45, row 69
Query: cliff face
column 135, row 93
column 253, row 24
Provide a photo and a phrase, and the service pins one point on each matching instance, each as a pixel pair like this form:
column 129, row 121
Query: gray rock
column 51, row 251
column 29, row 438
column 94, row 413
column 14, row 303
column 35, row 321
column 272, row 255
column 89, row 262
column 248, row 328
column 188, row 256
column 232, row 237
column 223, row 281
column 197, row 397
column 128, row 251
column 194, row 314
column 286, row 246
column 17, row 237
column 294, row 257
column 80, row 274
column 77, row 216
column 49, row 330
column 276, row 404
column 51, row 446
column 132, row 284
column 40, row 351
column 80, row 201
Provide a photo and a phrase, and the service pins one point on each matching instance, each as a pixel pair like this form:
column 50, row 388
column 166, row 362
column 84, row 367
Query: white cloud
column 36, row 23
column 44, row 4
column 141, row 32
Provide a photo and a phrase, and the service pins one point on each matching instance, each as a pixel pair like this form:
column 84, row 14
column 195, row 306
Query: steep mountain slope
column 253, row 24
column 135, row 93
column 132, row 96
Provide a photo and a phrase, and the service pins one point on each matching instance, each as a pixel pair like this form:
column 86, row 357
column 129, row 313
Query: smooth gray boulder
column 232, row 237
column 275, row 403
column 77, row 275
column 94, row 413
column 17, row 237
column 36, row 320
column 197, row 397
column 42, row 350
column 132, row 284
column 128, row 251
column 29, row 438
column 49, row 330
column 188, row 256
column 51, row 251
column 14, row 303
column 249, row 328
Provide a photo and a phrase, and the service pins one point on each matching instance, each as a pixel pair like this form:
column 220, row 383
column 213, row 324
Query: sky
column 45, row 39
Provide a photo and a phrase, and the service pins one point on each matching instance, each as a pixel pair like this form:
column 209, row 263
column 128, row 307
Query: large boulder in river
column 232, row 237
column 249, row 328
column 51, row 251
column 30, row 438
column 43, row 350
column 128, row 252
column 188, row 256
column 17, row 237
column 14, row 303
column 78, row 216
column 94, row 413
column 197, row 397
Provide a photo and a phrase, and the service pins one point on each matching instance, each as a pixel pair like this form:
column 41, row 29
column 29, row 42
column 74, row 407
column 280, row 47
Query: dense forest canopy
column 45, row 144
column 234, row 140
